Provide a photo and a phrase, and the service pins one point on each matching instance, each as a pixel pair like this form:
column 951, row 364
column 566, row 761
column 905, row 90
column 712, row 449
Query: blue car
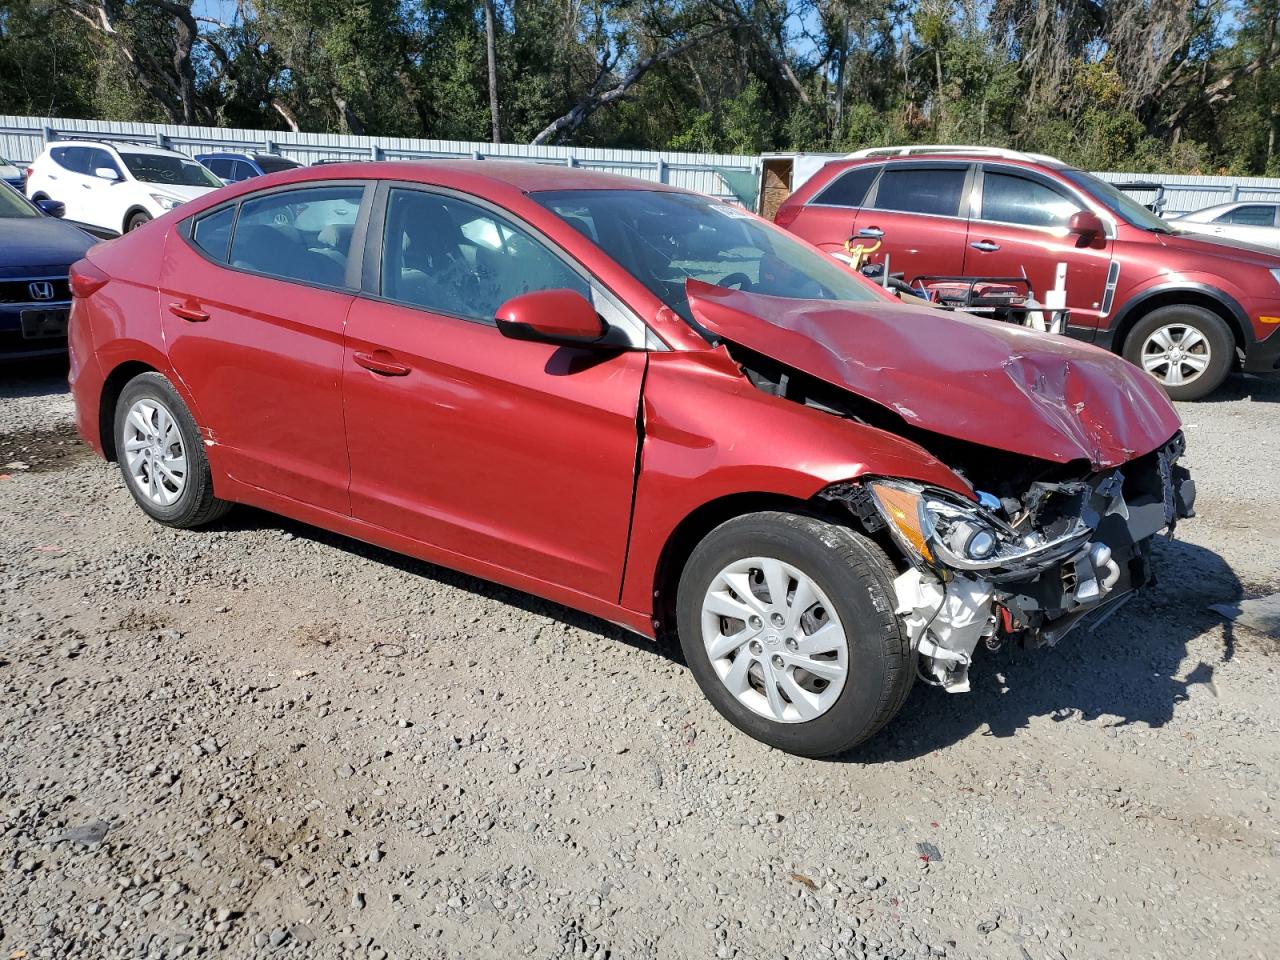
column 36, row 253
column 234, row 167
column 12, row 174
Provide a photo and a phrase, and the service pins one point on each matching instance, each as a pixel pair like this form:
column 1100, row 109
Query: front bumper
column 1114, row 517
column 1263, row 356
column 17, row 343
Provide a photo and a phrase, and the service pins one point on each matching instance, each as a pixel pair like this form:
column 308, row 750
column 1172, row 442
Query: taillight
column 786, row 215
column 86, row 279
column 30, row 171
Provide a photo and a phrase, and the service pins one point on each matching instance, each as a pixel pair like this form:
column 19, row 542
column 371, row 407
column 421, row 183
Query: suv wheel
column 161, row 455
column 1187, row 349
column 136, row 220
column 787, row 623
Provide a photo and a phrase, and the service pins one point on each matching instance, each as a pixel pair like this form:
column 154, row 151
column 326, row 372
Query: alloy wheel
column 153, row 452
column 775, row 640
column 1176, row 354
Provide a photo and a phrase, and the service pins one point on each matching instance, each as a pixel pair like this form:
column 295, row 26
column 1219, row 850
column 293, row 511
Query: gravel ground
column 266, row 740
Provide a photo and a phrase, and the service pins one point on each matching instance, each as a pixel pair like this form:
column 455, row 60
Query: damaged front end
column 1030, row 565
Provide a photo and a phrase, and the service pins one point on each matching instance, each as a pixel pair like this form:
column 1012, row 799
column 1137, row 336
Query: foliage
column 1185, row 85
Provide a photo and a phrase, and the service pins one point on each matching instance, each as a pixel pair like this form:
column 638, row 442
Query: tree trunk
column 491, row 51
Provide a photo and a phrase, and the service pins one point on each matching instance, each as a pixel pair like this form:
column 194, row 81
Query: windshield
column 166, row 168
column 1118, row 202
column 14, row 207
column 276, row 164
column 662, row 239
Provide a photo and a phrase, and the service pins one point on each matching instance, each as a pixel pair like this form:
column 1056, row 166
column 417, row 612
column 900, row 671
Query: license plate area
column 44, row 324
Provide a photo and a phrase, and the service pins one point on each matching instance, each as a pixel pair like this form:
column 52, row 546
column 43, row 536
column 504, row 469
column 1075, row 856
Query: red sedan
column 635, row 401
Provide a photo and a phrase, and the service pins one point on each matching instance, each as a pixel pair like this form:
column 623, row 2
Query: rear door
column 517, row 454
column 1020, row 229
column 254, row 304
column 68, row 181
column 828, row 220
column 919, row 213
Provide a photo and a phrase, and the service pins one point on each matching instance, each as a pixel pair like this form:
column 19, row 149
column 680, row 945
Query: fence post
column 162, row 141
column 1235, row 192
column 375, row 152
column 47, row 134
column 571, row 161
column 661, row 166
column 269, row 146
column 477, row 155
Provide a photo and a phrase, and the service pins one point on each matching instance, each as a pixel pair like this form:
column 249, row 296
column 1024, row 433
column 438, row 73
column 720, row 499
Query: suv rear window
column 930, row 190
column 849, row 189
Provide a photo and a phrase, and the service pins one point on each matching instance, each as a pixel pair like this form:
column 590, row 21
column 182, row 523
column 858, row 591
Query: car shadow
column 251, row 518
column 33, row 378
column 1129, row 670
column 1246, row 386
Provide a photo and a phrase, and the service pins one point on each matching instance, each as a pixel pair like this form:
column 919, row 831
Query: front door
column 253, row 310
column 520, row 455
column 1021, row 230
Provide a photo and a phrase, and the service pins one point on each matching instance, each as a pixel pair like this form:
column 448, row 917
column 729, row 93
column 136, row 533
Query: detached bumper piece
column 1083, row 548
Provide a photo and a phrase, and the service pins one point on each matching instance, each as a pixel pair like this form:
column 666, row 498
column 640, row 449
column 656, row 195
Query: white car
column 1252, row 221
column 116, row 187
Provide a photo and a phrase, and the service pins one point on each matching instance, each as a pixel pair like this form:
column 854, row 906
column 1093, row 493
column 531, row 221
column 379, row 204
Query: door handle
column 871, row 233
column 188, row 313
column 379, row 365
column 986, row 246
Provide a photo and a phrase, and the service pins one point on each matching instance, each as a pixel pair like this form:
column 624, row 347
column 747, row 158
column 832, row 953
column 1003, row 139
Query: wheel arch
column 112, row 387
column 128, row 215
column 1195, row 295
column 690, row 531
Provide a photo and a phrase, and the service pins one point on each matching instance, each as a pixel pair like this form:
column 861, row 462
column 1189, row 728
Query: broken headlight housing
column 936, row 528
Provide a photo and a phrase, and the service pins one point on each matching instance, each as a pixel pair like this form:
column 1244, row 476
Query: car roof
column 118, row 146
column 524, row 176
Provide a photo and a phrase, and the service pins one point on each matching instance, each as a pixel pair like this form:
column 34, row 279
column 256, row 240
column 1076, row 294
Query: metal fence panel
column 22, row 138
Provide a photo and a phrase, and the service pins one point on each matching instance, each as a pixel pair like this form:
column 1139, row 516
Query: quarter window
column 1007, row 198
column 212, row 232
column 298, row 234
column 1254, row 215
column 849, row 189
column 454, row 257
column 930, row 190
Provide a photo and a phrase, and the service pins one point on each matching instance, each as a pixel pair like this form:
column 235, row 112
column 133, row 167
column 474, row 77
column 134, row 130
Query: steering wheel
column 736, row 281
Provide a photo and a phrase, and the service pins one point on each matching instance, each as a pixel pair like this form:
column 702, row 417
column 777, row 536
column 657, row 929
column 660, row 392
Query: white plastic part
column 945, row 622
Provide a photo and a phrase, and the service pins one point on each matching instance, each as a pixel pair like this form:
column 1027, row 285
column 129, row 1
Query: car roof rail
column 925, row 149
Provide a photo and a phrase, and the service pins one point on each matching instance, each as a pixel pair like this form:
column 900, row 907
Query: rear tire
column 849, row 594
column 161, row 455
column 136, row 220
column 1187, row 349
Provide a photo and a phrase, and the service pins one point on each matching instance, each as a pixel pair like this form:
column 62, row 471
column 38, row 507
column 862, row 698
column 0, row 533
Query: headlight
column 166, row 203
column 1275, row 274
column 942, row 530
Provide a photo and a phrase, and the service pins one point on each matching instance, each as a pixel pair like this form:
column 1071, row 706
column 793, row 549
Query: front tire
column 1187, row 349
column 787, row 623
column 161, row 455
column 136, row 220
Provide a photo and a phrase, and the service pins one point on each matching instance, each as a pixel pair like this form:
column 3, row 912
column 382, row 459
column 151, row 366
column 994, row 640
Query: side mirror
column 1086, row 225
column 54, row 208
column 106, row 173
column 551, row 316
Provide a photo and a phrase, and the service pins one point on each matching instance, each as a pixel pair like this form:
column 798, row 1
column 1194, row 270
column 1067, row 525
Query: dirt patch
column 41, row 451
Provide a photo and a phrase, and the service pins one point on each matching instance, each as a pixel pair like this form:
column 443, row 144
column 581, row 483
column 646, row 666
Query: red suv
column 1186, row 308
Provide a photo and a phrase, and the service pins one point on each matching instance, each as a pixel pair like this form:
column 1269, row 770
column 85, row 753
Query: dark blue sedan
column 36, row 252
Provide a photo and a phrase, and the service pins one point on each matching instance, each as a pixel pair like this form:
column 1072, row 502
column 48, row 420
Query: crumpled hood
column 979, row 380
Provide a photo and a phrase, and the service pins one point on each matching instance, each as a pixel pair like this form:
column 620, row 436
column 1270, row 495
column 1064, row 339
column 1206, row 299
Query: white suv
column 117, row 187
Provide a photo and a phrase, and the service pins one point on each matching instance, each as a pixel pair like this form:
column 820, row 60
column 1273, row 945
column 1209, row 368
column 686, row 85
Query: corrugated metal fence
column 720, row 175
column 1185, row 192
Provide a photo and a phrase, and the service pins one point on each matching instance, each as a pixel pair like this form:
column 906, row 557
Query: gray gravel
column 266, row 740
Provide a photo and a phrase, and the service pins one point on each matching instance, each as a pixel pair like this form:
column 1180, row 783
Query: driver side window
column 457, row 258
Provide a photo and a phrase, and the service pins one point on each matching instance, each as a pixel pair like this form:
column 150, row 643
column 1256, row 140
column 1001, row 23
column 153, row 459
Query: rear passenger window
column 212, row 232
column 1012, row 199
column 456, row 258
column 849, row 189
column 300, row 235
column 1256, row 215
column 930, row 190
